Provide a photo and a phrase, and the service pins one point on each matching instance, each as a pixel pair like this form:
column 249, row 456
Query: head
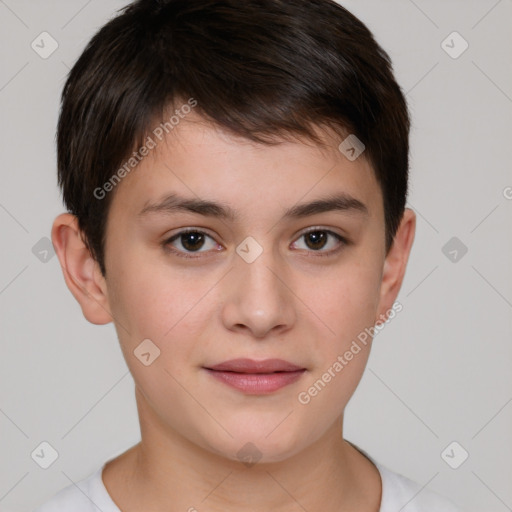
column 228, row 117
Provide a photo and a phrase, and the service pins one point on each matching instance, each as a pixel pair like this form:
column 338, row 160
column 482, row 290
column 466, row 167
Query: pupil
column 196, row 238
column 316, row 236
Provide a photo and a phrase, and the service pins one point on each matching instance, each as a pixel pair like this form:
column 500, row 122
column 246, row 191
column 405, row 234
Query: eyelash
column 166, row 244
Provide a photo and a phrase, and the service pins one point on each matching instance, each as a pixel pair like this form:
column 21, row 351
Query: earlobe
column 396, row 262
column 81, row 271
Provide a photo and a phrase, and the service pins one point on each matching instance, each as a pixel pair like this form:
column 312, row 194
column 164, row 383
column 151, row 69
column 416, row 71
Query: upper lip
column 251, row 366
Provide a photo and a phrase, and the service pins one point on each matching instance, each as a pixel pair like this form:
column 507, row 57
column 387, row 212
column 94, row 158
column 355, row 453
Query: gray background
column 439, row 372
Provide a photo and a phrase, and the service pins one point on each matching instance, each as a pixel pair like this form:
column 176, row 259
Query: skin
column 290, row 303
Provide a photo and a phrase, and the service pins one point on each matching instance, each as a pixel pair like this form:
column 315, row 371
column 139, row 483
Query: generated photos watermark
column 304, row 397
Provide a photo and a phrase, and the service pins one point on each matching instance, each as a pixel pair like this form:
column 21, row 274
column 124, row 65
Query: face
column 271, row 279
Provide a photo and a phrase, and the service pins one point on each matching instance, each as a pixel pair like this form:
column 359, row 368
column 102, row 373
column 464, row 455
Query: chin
column 256, row 445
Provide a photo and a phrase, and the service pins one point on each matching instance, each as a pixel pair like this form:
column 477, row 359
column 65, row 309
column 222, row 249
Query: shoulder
column 401, row 493
column 87, row 495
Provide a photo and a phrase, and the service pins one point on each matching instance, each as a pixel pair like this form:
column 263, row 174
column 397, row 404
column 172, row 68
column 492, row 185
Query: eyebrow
column 174, row 203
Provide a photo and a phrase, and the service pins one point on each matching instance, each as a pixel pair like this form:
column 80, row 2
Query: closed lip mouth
column 252, row 366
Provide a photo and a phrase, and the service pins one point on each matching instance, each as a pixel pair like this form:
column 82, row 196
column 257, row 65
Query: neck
column 329, row 475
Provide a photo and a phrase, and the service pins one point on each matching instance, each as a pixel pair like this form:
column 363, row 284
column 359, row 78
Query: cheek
column 346, row 307
column 145, row 297
column 346, row 304
column 140, row 304
column 148, row 307
column 340, row 358
column 155, row 302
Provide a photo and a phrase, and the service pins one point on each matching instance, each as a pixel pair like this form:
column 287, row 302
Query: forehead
column 200, row 160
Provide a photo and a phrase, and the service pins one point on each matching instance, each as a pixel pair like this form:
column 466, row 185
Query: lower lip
column 256, row 383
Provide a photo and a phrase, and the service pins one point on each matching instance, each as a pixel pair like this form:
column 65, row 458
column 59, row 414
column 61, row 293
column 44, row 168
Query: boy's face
column 304, row 299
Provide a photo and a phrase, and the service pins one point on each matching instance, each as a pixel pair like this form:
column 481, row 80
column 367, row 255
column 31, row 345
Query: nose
column 259, row 297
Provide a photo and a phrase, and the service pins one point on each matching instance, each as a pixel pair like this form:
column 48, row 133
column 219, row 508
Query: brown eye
column 317, row 239
column 189, row 241
column 192, row 241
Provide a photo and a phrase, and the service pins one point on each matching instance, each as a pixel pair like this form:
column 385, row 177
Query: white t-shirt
column 399, row 493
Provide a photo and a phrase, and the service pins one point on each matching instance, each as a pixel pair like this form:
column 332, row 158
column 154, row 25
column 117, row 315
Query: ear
column 81, row 271
column 396, row 263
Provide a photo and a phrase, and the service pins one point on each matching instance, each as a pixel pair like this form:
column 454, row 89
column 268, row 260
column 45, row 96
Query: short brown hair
column 258, row 68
